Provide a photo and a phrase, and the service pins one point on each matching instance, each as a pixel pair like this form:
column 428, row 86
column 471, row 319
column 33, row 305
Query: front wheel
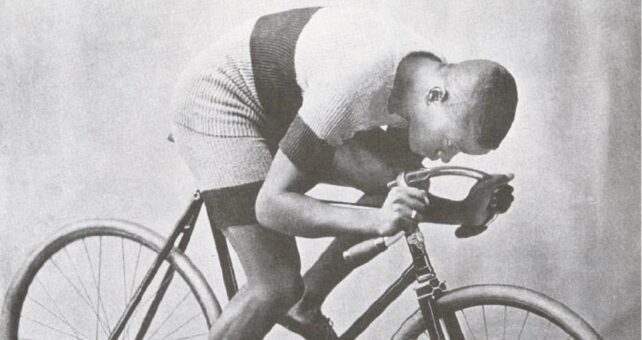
column 503, row 312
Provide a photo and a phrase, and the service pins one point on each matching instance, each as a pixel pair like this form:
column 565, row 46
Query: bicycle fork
column 428, row 289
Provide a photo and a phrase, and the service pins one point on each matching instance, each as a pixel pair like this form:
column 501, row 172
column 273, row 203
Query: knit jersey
column 306, row 80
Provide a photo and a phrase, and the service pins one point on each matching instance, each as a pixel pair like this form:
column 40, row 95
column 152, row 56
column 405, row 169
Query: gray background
column 84, row 88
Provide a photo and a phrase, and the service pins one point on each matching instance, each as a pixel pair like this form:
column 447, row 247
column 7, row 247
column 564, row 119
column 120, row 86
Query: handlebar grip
column 365, row 251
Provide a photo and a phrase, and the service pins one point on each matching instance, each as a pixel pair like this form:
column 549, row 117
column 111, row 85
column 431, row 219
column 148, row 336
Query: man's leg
column 272, row 266
column 367, row 162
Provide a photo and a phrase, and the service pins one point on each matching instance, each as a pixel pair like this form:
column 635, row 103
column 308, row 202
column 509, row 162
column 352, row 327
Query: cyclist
column 297, row 98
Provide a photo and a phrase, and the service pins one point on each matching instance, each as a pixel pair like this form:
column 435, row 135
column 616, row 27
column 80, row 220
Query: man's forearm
column 296, row 214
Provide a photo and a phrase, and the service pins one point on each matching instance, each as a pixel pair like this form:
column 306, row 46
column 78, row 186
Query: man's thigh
column 370, row 160
column 265, row 255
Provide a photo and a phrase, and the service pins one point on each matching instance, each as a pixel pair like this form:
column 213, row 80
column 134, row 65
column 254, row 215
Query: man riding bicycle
column 297, row 98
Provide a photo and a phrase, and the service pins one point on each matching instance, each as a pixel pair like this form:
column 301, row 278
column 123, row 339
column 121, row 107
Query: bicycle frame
column 428, row 287
column 437, row 306
column 420, row 271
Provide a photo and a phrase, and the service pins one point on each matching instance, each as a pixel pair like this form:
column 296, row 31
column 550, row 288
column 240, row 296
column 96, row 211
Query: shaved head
column 486, row 96
column 451, row 108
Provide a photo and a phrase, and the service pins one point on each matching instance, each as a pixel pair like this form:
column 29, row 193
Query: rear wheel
column 503, row 312
column 77, row 284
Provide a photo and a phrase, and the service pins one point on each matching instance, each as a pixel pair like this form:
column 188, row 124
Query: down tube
column 375, row 310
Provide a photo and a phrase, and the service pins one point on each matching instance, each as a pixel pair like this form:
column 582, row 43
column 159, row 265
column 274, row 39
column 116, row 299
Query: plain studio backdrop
column 84, row 93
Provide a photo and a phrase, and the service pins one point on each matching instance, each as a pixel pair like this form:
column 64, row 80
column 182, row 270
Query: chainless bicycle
column 102, row 279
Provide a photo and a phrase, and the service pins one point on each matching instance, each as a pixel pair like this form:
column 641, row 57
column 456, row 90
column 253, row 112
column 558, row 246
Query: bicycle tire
column 522, row 299
column 10, row 318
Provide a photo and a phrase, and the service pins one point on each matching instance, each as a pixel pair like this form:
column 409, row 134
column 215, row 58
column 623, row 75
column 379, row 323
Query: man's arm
column 282, row 205
column 379, row 157
column 373, row 158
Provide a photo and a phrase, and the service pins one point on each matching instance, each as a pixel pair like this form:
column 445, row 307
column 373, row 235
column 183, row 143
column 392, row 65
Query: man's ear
column 435, row 95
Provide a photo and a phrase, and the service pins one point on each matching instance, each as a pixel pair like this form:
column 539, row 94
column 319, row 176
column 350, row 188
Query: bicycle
column 442, row 313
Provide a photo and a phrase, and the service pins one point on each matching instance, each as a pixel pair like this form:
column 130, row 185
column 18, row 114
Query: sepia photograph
column 320, row 170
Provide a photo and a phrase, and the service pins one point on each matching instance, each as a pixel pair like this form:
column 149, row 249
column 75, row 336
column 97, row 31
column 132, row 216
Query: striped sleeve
column 305, row 149
column 323, row 122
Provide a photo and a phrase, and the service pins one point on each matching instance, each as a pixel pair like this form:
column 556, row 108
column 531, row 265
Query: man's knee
column 279, row 292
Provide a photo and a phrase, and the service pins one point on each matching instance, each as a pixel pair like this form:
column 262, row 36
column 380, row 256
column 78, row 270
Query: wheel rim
column 81, row 279
column 534, row 315
column 503, row 322
column 503, row 312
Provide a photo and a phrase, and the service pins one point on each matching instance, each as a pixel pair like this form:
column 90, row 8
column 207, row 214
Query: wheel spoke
column 162, row 285
column 174, row 309
column 50, row 327
column 523, row 325
column 504, row 325
column 485, row 326
column 131, row 288
column 70, row 284
column 93, row 278
column 548, row 327
column 125, row 295
column 181, row 326
column 122, row 253
column 520, row 312
column 57, row 283
column 73, row 264
column 60, row 317
column 100, row 251
column 192, row 336
column 468, row 325
column 148, row 300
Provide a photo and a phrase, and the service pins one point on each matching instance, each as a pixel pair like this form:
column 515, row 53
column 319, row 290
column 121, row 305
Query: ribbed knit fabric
column 346, row 61
column 345, row 64
column 220, row 162
column 333, row 68
column 215, row 95
column 307, row 151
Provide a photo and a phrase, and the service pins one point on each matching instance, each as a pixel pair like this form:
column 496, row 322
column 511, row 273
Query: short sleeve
column 305, row 149
column 323, row 122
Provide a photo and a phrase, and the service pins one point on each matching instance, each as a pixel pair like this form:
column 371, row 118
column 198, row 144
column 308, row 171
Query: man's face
column 438, row 130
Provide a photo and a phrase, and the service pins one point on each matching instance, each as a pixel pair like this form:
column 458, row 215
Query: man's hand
column 400, row 211
column 489, row 196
